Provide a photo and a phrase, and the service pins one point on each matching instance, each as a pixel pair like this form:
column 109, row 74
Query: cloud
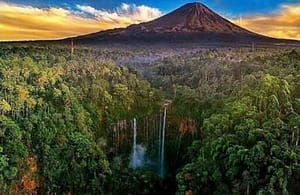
column 124, row 14
column 284, row 24
column 19, row 22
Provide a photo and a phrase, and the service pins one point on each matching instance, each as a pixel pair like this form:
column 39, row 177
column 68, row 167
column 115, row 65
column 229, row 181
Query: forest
column 206, row 121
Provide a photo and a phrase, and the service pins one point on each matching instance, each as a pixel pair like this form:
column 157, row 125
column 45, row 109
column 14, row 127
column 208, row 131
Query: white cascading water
column 159, row 140
column 138, row 151
column 162, row 145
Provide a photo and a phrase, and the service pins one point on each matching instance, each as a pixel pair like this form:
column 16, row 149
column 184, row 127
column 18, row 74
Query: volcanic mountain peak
column 191, row 23
column 192, row 17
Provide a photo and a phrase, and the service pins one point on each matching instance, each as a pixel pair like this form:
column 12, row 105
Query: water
column 162, row 145
column 134, row 137
column 138, row 151
column 139, row 157
column 159, row 141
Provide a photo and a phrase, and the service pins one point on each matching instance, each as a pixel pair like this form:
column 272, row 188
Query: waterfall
column 162, row 144
column 159, row 140
column 138, row 151
column 134, row 155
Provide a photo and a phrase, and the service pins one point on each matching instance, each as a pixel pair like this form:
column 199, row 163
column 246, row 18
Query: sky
column 55, row 19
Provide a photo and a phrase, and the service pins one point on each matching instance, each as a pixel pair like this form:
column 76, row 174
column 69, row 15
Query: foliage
column 249, row 147
column 56, row 107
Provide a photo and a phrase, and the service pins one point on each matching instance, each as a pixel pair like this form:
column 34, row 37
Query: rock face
column 191, row 23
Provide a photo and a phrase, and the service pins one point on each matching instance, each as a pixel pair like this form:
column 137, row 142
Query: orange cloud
column 19, row 22
column 284, row 24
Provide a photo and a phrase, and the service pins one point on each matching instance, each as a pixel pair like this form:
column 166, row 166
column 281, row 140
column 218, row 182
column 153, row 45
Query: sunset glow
column 284, row 24
column 26, row 22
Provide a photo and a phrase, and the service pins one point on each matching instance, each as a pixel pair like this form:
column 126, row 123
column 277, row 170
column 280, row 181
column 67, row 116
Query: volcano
column 191, row 23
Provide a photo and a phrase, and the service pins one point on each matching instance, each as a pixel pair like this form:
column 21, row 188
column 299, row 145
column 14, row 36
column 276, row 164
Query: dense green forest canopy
column 54, row 115
column 56, row 108
column 247, row 106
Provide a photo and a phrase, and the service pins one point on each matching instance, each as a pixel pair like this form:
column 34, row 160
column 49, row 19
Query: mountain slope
column 193, row 22
column 192, row 17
